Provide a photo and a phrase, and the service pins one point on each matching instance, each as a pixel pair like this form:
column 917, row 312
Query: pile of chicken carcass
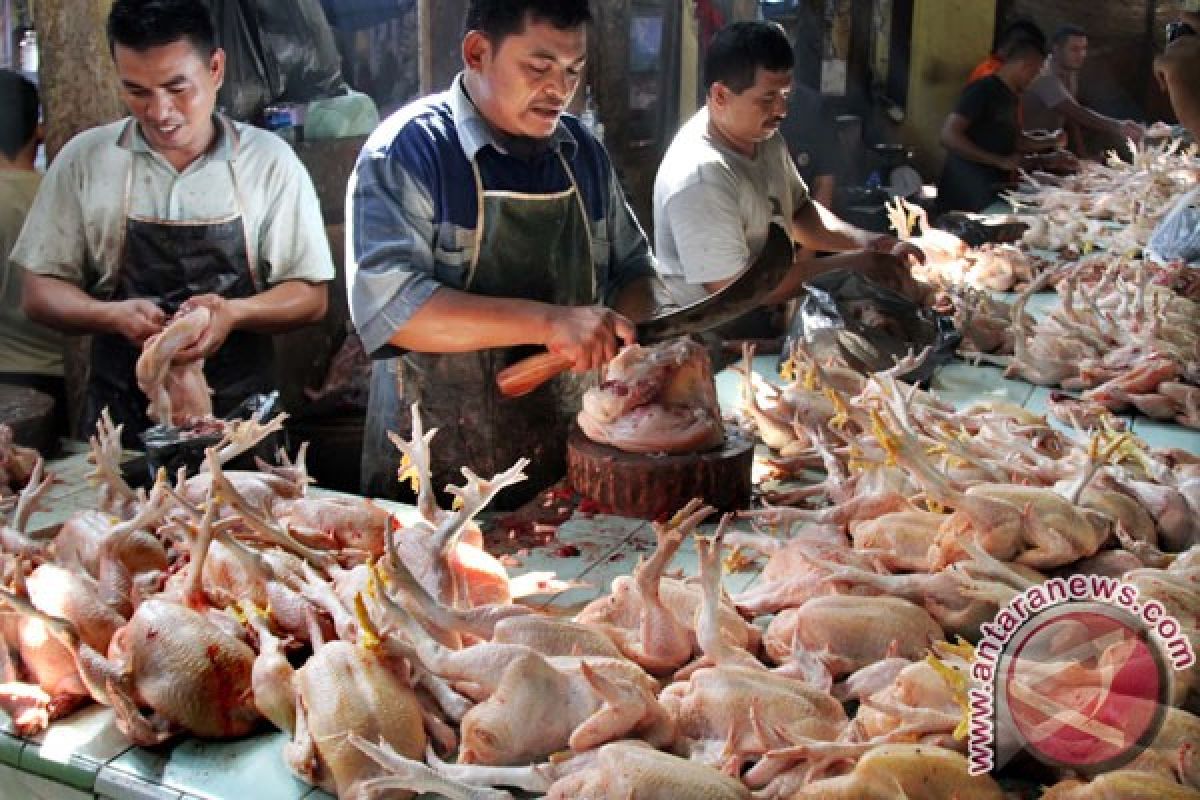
column 929, row 519
column 395, row 659
column 1120, row 335
column 951, row 263
column 1113, row 206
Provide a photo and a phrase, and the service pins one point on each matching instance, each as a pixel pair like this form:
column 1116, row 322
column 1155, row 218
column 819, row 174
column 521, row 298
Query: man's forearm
column 65, row 307
column 458, row 322
column 818, row 228
column 281, row 308
column 1086, row 117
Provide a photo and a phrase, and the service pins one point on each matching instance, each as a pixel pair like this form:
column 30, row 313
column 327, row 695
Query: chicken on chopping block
column 659, row 399
column 651, row 617
column 178, row 393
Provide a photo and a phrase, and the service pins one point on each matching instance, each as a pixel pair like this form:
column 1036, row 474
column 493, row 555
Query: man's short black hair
column 738, row 50
column 143, row 24
column 18, row 125
column 1067, row 32
column 500, row 18
column 1019, row 28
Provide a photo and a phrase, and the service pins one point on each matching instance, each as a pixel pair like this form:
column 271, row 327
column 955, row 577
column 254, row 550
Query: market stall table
column 85, row 756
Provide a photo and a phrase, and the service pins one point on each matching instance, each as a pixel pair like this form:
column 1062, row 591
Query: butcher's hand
column 137, row 319
column 589, row 336
column 222, row 322
column 905, row 251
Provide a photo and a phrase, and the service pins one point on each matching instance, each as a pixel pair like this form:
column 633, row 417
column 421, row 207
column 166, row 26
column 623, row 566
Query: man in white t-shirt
column 728, row 175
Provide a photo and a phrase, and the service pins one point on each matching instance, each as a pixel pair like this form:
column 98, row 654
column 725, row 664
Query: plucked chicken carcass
column 658, row 399
column 178, row 393
column 904, row 771
column 597, row 699
column 16, row 463
column 849, row 632
column 15, row 539
column 651, row 617
column 39, row 681
column 351, row 688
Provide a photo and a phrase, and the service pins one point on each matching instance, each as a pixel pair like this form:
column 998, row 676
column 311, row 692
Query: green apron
column 528, row 246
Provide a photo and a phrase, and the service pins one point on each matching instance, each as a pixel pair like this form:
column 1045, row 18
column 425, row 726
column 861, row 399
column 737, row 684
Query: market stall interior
column 918, row 519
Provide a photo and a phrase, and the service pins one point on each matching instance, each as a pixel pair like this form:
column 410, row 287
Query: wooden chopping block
column 30, row 414
column 649, row 486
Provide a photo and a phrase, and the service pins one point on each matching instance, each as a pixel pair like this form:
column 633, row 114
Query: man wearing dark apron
column 173, row 208
column 168, row 263
column 486, row 227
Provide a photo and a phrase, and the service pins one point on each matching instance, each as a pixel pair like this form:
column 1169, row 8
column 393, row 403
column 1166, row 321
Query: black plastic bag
column 171, row 448
column 846, row 316
column 276, row 51
column 252, row 79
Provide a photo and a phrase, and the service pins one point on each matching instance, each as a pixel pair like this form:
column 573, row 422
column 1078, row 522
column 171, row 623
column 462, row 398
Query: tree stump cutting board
column 30, row 414
column 649, row 486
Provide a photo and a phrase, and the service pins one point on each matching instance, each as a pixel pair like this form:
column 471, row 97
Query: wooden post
column 77, row 79
column 425, row 46
column 78, row 85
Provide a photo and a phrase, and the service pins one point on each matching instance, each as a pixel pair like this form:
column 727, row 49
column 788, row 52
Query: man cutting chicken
column 174, row 207
column 483, row 219
column 728, row 175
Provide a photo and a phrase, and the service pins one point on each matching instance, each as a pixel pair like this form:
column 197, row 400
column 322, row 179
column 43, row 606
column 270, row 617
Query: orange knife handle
column 524, row 376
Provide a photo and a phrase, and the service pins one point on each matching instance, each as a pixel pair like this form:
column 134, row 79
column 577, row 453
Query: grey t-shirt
column 713, row 206
column 1041, row 103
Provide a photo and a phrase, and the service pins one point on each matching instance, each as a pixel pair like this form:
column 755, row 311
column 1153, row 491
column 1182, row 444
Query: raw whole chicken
column 351, row 688
column 659, row 399
column 848, row 632
column 905, row 772
column 16, row 463
column 178, row 393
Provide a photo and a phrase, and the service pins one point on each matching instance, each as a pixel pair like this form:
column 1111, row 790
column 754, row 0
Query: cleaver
column 745, row 293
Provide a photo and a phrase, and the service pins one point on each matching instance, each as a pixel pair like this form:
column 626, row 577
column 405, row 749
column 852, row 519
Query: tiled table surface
column 86, row 756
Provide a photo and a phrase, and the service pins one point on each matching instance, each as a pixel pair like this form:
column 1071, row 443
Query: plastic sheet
column 1177, row 237
column 844, row 315
column 172, row 448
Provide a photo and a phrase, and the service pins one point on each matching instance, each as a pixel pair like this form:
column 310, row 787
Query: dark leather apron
column 168, row 262
column 530, row 246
